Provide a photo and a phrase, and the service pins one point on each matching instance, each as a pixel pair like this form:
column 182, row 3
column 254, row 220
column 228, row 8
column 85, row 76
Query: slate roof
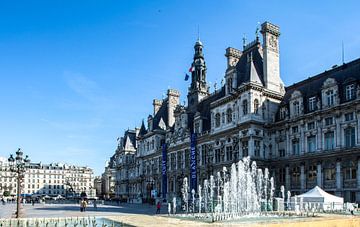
column 246, row 68
column 132, row 136
column 162, row 113
column 143, row 130
column 344, row 75
column 204, row 109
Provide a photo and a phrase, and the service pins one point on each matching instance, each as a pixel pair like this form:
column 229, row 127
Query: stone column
column 302, row 176
column 338, row 132
column 287, row 178
column 251, row 147
column 319, row 175
column 338, row 175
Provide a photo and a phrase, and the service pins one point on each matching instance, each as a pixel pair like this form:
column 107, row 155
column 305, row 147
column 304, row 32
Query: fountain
column 244, row 190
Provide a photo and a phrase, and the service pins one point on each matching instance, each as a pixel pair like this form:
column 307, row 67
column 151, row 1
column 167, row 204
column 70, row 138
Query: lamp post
column 18, row 165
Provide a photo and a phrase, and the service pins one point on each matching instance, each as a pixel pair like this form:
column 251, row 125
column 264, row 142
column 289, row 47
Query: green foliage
column 6, row 193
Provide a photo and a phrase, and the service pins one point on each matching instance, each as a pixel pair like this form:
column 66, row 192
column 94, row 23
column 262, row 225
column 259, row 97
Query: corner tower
column 271, row 63
column 198, row 89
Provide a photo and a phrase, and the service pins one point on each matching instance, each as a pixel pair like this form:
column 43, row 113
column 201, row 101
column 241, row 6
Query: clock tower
column 198, row 89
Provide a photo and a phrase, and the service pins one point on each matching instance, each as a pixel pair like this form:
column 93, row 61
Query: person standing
column 158, row 206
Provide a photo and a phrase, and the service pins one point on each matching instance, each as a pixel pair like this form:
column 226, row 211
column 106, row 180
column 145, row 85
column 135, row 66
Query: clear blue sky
column 75, row 74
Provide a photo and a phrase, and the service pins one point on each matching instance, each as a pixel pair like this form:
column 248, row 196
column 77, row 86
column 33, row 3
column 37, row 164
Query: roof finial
column 244, row 40
column 342, row 51
column 198, row 38
column 257, row 31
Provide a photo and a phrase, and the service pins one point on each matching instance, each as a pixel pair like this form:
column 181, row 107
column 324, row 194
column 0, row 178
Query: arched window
column 229, row 115
column 256, row 106
column 217, row 120
column 223, row 117
column 296, row 108
column 245, row 107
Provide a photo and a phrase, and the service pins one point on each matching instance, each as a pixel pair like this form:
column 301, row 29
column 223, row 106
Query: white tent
column 318, row 198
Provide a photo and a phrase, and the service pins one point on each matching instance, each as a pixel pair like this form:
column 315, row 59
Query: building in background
column 55, row 180
column 108, row 179
column 307, row 134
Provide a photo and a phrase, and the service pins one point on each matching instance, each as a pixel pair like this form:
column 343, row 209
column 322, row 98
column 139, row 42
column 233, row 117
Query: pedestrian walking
column 95, row 205
column 84, row 205
column 81, row 206
column 158, row 206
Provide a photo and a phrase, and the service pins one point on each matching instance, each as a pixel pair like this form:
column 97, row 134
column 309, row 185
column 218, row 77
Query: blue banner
column 163, row 171
column 193, row 177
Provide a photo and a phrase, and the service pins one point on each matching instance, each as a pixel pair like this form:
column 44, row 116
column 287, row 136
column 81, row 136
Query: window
column 282, row 113
column 223, row 118
column 229, row 153
column 350, row 172
column 282, row 175
column 229, row 115
column 311, row 141
column 256, row 106
column 217, row 155
column 296, row 105
column 349, row 116
column 310, row 125
column 217, row 120
column 329, row 140
column 203, row 156
column 330, row 97
column 312, row 173
column 349, row 137
column 245, row 146
column 312, row 103
column 296, row 147
column 330, row 174
column 245, row 107
column 350, row 92
column 295, row 129
column 257, row 148
column 295, row 175
column 328, row 121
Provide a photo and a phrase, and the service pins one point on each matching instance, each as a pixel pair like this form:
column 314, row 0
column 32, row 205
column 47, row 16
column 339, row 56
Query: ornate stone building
column 306, row 134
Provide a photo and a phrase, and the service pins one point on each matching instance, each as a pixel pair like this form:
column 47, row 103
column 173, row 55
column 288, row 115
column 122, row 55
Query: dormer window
column 245, row 107
column 282, row 113
column 256, row 106
column 312, row 103
column 217, row 120
column 330, row 97
column 229, row 115
column 296, row 106
column 350, row 92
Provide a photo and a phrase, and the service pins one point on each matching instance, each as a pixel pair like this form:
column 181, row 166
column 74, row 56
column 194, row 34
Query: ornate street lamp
column 18, row 165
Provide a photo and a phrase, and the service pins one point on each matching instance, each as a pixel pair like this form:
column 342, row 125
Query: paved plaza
column 73, row 210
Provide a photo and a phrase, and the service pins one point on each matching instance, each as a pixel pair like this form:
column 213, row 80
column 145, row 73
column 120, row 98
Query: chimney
column 271, row 60
column 173, row 101
column 157, row 104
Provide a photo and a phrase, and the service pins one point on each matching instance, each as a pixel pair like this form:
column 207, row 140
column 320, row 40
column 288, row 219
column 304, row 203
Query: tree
column 6, row 193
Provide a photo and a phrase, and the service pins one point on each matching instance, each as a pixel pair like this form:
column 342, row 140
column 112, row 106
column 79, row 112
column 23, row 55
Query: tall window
column 257, row 148
column 312, row 173
column 312, row 103
column 350, row 171
column 330, row 174
column 296, row 106
column 329, row 140
column 223, row 117
column 217, row 155
column 245, row 148
column 311, row 125
column 296, row 147
column 229, row 153
column 311, row 143
column 329, row 121
column 282, row 175
column 229, row 115
column 256, row 106
column 349, row 116
column 245, row 107
column 217, row 120
column 330, row 97
column 350, row 92
column 349, row 137
column 295, row 175
column 203, row 156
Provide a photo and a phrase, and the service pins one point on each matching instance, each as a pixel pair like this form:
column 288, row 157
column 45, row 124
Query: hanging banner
column 164, row 177
column 193, row 177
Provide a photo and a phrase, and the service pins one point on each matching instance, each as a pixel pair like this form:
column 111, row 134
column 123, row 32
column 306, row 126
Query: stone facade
column 306, row 134
column 49, row 179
